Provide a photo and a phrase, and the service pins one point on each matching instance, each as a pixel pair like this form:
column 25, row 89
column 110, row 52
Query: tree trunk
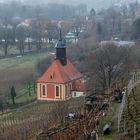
column 13, row 100
column 22, row 44
column 29, row 46
column 39, row 44
column 20, row 48
column 29, row 89
column 1, row 106
column 6, row 49
column 34, row 88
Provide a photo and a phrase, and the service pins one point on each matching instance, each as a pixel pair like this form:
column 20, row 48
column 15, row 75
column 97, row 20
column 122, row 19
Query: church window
column 57, row 91
column 43, row 90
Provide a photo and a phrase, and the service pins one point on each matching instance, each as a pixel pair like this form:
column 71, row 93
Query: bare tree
column 108, row 65
column 52, row 31
column 6, row 37
column 21, row 34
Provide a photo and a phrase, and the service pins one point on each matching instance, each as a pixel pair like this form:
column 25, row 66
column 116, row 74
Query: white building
column 71, row 38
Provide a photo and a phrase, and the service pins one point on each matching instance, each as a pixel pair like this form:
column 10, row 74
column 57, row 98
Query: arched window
column 43, row 90
column 57, row 91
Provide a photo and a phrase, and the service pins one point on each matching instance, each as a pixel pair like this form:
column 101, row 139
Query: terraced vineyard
column 130, row 123
column 29, row 121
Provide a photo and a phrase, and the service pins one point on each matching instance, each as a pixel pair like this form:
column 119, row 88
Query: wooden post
column 124, row 126
column 134, row 131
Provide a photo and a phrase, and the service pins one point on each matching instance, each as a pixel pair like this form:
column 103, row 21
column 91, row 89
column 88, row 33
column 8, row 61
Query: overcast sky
column 90, row 3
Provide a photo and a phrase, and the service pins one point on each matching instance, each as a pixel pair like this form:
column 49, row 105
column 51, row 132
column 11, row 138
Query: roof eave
column 40, row 81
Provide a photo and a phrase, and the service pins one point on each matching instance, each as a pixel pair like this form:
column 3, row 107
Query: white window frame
column 45, row 90
column 59, row 91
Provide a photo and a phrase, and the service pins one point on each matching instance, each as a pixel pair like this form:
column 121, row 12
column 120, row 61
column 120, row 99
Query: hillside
column 131, row 116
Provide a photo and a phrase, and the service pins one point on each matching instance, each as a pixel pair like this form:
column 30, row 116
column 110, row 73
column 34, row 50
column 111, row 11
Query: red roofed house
column 62, row 80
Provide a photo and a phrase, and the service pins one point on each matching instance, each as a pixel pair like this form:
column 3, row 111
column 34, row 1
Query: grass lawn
column 16, row 71
column 110, row 137
column 23, row 98
column 27, row 61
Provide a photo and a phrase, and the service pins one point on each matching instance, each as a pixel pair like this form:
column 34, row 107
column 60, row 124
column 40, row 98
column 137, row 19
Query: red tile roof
column 58, row 73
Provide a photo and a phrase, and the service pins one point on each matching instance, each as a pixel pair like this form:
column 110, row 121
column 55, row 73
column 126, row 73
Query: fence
column 135, row 79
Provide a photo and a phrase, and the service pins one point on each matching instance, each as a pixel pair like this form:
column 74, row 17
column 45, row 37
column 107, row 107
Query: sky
column 97, row 4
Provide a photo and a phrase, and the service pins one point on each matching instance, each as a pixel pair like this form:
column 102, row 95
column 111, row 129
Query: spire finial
column 60, row 34
column 61, row 47
column 60, row 30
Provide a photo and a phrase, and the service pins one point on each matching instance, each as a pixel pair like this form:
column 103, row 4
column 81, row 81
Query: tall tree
column 136, row 29
column 13, row 94
column 7, row 37
column 52, row 31
column 108, row 65
column 112, row 22
column 1, row 105
column 21, row 35
column 99, row 31
column 132, row 9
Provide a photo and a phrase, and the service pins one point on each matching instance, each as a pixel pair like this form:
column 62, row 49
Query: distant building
column 61, row 80
column 137, row 12
column 118, row 43
column 23, row 24
column 71, row 37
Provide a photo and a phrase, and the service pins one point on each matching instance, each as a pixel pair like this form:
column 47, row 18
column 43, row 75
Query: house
column 118, row 43
column 79, row 88
column 71, row 38
column 61, row 81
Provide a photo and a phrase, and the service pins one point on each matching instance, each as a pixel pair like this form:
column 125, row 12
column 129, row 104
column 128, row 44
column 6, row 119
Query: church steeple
column 61, row 49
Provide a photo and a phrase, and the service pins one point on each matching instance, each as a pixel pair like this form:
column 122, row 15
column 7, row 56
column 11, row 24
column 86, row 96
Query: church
column 61, row 81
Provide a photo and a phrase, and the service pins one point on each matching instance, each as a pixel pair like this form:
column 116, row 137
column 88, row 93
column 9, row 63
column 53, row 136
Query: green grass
column 25, row 98
column 22, row 98
column 109, row 117
column 110, row 137
column 26, row 61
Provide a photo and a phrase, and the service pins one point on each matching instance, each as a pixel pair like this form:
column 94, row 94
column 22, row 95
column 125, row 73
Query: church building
column 61, row 81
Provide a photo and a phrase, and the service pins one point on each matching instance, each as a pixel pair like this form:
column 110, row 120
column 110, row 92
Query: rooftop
column 58, row 73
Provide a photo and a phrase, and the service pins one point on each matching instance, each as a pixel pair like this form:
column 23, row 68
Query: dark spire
column 60, row 34
column 61, row 49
